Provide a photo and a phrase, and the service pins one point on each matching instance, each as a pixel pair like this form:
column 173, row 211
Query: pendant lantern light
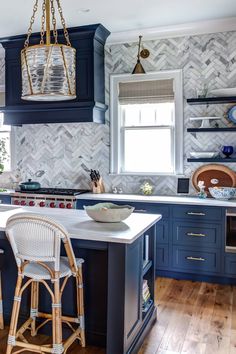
column 48, row 69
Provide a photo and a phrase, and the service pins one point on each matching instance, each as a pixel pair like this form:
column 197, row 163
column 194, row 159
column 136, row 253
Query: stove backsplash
column 60, row 155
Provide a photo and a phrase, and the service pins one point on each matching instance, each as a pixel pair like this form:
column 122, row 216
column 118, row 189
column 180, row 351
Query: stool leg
column 14, row 316
column 34, row 306
column 56, row 319
column 80, row 303
column 1, row 304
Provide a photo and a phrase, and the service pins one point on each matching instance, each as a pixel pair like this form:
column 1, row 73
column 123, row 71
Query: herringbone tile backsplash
column 61, row 155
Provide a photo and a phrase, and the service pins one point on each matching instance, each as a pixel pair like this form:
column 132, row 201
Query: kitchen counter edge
column 189, row 200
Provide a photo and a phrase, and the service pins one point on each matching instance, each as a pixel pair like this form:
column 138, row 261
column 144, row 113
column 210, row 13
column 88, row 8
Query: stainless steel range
column 48, row 198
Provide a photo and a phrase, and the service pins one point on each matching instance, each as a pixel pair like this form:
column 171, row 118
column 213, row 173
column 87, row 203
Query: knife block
column 98, row 186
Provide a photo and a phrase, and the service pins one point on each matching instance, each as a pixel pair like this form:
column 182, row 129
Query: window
column 5, row 145
column 147, row 124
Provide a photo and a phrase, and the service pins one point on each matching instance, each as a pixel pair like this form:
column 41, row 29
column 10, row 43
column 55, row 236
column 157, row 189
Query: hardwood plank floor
column 193, row 318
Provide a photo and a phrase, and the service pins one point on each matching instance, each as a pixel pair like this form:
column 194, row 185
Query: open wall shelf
column 215, row 160
column 211, row 100
column 215, row 130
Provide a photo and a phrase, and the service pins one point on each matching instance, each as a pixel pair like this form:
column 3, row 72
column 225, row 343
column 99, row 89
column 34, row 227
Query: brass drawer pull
column 195, row 235
column 196, row 259
column 193, row 213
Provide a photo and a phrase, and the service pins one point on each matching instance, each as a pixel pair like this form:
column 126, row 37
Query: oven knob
column 16, row 202
column 69, row 205
column 31, row 203
column 52, row 205
column 23, row 202
column 42, row 204
column 61, row 205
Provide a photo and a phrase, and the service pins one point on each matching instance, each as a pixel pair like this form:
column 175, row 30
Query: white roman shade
column 150, row 91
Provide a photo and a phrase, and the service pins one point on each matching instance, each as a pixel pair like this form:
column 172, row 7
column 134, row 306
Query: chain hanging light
column 48, row 69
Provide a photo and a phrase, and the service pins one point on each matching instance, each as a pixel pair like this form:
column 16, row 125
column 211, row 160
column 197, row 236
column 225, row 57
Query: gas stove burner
column 56, row 191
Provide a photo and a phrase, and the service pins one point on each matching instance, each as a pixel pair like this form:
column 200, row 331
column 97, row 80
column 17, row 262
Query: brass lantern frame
column 47, row 10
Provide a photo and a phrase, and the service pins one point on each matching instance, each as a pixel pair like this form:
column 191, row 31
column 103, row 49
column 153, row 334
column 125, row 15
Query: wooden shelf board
column 211, row 100
column 200, row 130
column 219, row 159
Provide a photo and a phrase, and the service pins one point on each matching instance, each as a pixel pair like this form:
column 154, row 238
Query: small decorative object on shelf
column 227, row 150
column 205, row 121
column 146, row 188
column 232, row 114
column 201, row 194
column 97, row 183
column 224, row 92
column 203, row 91
column 146, row 296
column 203, row 154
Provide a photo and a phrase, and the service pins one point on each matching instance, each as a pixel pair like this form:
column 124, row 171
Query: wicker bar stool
column 36, row 243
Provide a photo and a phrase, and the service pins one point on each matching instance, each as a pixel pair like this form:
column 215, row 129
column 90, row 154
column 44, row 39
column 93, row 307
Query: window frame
column 116, row 152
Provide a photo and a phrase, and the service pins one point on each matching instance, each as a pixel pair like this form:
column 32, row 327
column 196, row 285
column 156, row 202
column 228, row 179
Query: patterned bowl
column 108, row 212
column 223, row 193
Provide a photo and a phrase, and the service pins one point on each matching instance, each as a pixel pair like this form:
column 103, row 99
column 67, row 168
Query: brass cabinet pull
column 140, row 210
column 193, row 213
column 195, row 235
column 196, row 259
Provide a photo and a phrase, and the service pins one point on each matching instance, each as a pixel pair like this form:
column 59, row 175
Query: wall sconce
column 144, row 53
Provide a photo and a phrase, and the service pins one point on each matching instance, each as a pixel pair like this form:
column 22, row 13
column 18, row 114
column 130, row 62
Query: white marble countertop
column 190, row 200
column 81, row 226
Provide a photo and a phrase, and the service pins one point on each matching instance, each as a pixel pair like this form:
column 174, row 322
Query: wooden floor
column 193, row 318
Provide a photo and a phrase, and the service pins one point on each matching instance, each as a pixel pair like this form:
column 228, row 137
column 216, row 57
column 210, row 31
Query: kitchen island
column 114, row 272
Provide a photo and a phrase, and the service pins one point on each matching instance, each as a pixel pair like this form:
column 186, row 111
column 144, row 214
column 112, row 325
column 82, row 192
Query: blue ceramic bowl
column 223, row 193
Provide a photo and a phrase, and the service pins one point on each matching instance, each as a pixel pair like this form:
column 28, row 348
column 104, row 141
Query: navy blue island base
column 113, row 278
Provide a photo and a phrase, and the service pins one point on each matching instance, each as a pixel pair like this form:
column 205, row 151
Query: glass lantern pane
column 48, row 73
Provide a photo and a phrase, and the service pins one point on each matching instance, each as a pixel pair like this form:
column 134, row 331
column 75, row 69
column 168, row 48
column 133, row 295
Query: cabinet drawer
column 230, row 264
column 207, row 235
column 139, row 207
column 162, row 231
column 197, row 212
column 162, row 256
column 200, row 261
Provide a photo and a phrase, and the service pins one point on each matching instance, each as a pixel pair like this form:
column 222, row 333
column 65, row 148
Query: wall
column 61, row 155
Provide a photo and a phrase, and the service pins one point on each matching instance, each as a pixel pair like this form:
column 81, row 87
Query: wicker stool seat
column 38, row 272
column 36, row 244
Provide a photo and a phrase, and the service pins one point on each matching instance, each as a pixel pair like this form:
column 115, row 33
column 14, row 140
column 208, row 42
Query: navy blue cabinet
column 5, row 199
column 197, row 234
column 230, row 264
column 196, row 260
column 89, row 106
column 197, row 213
column 190, row 241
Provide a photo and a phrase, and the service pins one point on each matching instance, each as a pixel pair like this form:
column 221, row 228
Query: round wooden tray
column 208, row 173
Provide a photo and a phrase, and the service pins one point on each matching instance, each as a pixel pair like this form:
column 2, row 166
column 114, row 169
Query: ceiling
column 119, row 15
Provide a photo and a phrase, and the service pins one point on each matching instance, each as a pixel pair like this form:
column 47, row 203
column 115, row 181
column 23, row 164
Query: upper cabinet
column 89, row 106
